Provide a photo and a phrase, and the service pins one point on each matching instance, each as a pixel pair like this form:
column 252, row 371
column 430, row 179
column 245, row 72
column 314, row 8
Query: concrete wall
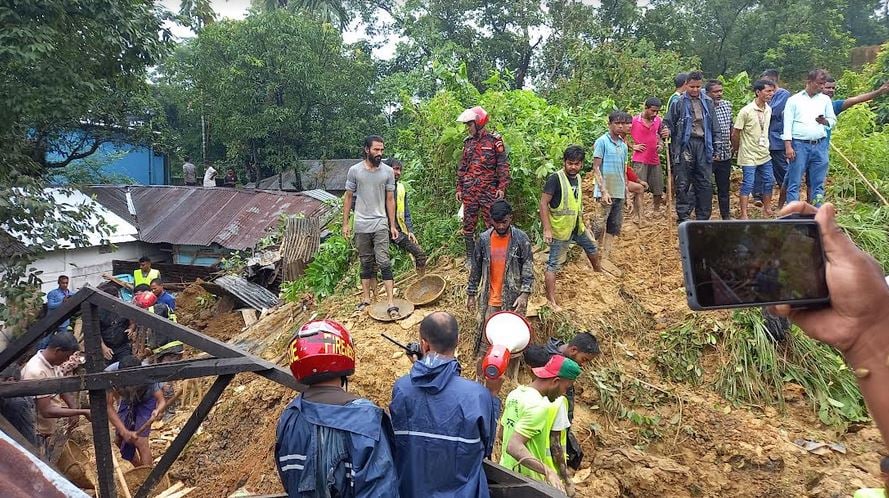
column 86, row 265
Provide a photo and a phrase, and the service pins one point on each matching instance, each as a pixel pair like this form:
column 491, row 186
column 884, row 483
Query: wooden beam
column 98, row 402
column 137, row 376
column 190, row 427
column 50, row 322
column 193, row 338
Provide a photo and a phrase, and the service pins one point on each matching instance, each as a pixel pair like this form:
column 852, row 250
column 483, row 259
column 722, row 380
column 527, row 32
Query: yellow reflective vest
column 399, row 207
column 139, row 279
column 569, row 213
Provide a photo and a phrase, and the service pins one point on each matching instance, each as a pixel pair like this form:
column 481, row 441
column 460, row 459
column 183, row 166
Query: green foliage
column 680, row 349
column 756, row 368
column 326, row 272
column 869, row 228
column 622, row 396
column 737, row 90
column 272, row 88
column 535, row 132
column 823, row 373
column 64, row 63
column 751, row 373
column 869, row 78
column 627, row 72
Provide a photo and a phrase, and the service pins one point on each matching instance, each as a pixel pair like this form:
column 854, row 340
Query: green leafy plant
column 679, row 350
column 756, row 369
column 325, row 273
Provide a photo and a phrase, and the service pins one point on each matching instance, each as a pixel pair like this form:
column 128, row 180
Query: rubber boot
column 470, row 249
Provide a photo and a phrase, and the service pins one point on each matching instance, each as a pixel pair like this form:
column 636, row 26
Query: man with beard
column 483, row 174
column 535, row 421
column 561, row 214
column 504, row 265
column 374, row 184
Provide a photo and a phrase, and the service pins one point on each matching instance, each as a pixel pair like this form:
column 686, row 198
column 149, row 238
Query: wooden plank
column 98, row 402
column 50, row 322
column 137, row 376
column 193, row 338
column 188, row 430
column 250, row 316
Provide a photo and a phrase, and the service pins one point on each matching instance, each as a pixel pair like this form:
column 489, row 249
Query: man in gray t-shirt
column 374, row 184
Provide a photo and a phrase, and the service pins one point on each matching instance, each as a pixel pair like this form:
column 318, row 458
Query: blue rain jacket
column 444, row 426
column 335, row 451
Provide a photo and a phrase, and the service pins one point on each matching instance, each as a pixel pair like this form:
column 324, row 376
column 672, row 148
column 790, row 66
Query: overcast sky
column 237, row 9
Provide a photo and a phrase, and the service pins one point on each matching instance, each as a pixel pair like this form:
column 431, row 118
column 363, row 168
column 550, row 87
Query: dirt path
column 665, row 439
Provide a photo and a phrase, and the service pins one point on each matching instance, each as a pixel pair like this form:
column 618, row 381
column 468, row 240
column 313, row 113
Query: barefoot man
column 561, row 213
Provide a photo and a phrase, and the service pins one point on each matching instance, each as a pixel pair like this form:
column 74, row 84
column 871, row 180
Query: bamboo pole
column 120, row 477
column 866, row 181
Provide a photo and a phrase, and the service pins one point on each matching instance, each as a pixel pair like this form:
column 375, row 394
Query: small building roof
column 121, row 229
column 232, row 218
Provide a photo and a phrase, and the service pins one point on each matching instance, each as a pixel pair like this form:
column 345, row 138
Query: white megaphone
column 507, row 333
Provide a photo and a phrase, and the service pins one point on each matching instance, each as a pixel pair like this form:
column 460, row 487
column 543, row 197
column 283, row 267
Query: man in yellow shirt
column 750, row 138
column 535, row 420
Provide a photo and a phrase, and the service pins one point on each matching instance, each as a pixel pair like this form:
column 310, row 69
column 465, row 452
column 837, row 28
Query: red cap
column 558, row 366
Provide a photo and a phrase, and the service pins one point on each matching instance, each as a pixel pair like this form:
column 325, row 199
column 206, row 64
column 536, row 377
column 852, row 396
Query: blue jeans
column 779, row 171
column 762, row 174
column 558, row 248
column 810, row 158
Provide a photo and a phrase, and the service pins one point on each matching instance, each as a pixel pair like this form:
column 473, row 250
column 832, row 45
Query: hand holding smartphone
column 735, row 263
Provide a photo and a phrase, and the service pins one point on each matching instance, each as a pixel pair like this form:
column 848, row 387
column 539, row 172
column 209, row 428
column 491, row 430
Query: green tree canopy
column 272, row 88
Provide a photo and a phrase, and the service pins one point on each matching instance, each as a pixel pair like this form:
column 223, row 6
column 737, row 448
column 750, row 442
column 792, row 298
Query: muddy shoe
column 596, row 261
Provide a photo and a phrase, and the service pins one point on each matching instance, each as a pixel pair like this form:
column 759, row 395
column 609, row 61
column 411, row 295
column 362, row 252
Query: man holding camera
column 440, row 417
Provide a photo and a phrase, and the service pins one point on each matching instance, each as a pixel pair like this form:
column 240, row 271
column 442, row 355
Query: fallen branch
column 866, row 181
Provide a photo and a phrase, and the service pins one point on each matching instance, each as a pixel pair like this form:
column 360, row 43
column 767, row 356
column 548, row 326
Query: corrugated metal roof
column 249, row 293
column 322, row 195
column 232, row 218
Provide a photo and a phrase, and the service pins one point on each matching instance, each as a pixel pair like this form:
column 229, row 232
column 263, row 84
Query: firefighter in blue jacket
column 444, row 424
column 331, row 443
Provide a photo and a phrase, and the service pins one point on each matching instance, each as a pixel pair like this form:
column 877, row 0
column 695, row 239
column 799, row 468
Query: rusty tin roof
column 230, row 217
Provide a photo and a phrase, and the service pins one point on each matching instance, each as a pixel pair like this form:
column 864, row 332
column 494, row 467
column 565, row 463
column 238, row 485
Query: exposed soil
column 701, row 446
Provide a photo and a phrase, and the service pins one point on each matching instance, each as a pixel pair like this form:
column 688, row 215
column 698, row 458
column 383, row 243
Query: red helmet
column 145, row 299
column 477, row 114
column 321, row 350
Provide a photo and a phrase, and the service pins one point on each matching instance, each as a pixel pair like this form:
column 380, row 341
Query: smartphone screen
column 732, row 264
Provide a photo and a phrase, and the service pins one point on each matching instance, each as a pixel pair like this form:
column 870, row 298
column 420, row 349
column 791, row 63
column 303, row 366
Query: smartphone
column 740, row 263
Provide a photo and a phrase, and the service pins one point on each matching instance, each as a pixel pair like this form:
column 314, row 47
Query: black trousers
column 722, row 170
column 694, row 190
column 414, row 249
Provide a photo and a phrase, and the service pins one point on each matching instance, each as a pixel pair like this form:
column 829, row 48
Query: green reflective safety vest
column 399, row 207
column 169, row 345
column 569, row 213
column 139, row 279
column 870, row 493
